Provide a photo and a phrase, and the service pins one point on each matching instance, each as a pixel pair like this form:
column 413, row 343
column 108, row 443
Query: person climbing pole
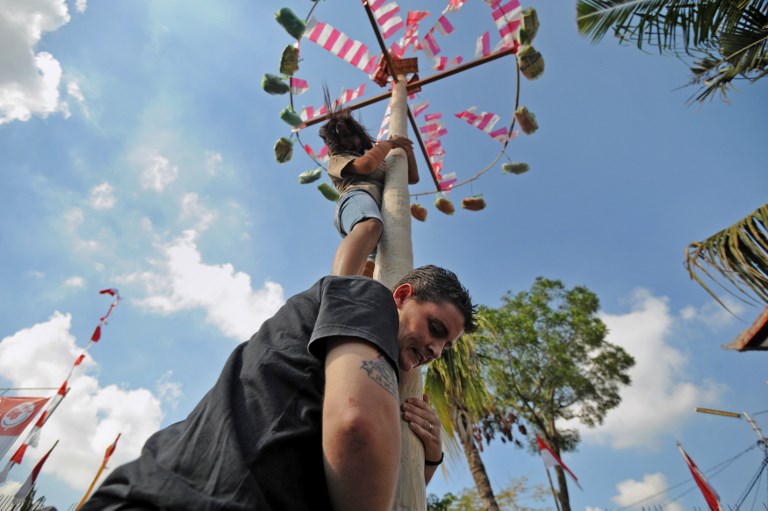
column 358, row 170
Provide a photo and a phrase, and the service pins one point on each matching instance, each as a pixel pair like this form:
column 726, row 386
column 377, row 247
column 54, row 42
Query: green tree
column 511, row 498
column 725, row 39
column 739, row 254
column 458, row 393
column 547, row 360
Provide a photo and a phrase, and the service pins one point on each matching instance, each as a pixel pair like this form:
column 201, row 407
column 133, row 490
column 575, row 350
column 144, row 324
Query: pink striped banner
column 507, row 19
column 443, row 26
column 334, row 41
column 387, row 16
column 443, row 62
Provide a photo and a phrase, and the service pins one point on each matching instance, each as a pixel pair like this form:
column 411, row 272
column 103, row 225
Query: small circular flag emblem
column 17, row 415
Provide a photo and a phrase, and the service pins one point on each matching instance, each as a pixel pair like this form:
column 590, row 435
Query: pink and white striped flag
column 429, row 46
column 483, row 45
column 387, row 16
column 418, row 108
column 444, row 62
column 507, row 18
column 485, row 121
column 384, row 129
column 309, row 112
column 446, row 183
column 348, row 95
column 453, row 6
column 443, row 26
column 298, row 86
column 414, row 17
column 349, row 50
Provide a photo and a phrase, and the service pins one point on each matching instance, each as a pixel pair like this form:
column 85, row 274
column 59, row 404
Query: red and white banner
column 710, row 495
column 551, row 459
column 349, row 50
column 16, row 413
column 30, row 482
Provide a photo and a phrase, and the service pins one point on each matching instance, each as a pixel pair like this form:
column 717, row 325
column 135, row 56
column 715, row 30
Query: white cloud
column 213, row 163
column 81, row 5
column 29, row 81
column 714, row 315
column 102, row 196
column 183, row 282
column 649, row 492
column 158, row 173
column 191, row 209
column 661, row 395
column 168, row 390
column 76, row 282
column 90, row 417
column 73, row 91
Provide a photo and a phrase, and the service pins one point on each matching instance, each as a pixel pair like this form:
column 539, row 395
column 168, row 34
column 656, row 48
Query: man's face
column 426, row 328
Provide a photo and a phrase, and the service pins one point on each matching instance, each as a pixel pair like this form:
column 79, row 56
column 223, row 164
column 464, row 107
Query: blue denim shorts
column 354, row 207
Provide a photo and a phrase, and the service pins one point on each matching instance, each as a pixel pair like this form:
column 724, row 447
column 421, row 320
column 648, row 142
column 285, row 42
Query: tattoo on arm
column 381, row 372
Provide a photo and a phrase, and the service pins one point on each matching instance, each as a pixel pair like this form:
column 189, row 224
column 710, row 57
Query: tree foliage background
column 726, row 40
column 546, row 361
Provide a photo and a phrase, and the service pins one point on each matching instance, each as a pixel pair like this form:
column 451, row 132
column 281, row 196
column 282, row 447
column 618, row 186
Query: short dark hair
column 340, row 128
column 438, row 285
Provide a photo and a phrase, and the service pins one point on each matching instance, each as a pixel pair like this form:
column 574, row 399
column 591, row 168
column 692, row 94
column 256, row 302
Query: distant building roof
column 753, row 338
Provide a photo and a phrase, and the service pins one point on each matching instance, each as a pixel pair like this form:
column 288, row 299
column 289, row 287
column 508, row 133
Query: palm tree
column 739, row 254
column 728, row 37
column 458, row 393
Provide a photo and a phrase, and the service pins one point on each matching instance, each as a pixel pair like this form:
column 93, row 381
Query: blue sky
column 137, row 154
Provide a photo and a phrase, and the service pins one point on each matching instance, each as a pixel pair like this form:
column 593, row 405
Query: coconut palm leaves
column 728, row 37
column 739, row 254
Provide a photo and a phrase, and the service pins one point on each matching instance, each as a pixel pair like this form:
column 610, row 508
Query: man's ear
column 402, row 293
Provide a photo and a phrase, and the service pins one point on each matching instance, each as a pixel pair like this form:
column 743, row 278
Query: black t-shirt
column 254, row 441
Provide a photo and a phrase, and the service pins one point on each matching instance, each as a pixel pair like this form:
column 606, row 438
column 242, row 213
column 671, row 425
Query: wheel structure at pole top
column 464, row 97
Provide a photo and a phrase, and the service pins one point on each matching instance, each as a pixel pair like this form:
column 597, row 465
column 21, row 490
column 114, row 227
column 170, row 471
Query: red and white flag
column 16, row 413
column 298, row 86
column 551, row 459
column 30, row 482
column 453, row 6
column 710, row 495
column 483, row 45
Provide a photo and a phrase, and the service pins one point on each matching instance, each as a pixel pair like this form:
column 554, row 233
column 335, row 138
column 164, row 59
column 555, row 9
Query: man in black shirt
column 305, row 414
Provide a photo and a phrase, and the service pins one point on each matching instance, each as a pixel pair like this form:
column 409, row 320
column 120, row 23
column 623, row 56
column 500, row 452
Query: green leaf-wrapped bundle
column 328, row 192
column 283, row 150
column 531, row 62
column 274, row 84
column 526, row 120
column 291, row 23
column 529, row 26
column 289, row 61
column 291, row 117
column 517, row 167
column 310, row 176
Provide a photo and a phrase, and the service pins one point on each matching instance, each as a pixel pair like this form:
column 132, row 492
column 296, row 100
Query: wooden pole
column 394, row 259
column 552, row 488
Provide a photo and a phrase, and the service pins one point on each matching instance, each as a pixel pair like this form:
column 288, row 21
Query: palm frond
column 739, row 254
column 660, row 23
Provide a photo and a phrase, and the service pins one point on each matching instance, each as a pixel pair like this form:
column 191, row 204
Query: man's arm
column 361, row 431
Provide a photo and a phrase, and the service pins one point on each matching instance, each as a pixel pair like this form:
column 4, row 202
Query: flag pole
column 110, row 450
column 552, row 488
